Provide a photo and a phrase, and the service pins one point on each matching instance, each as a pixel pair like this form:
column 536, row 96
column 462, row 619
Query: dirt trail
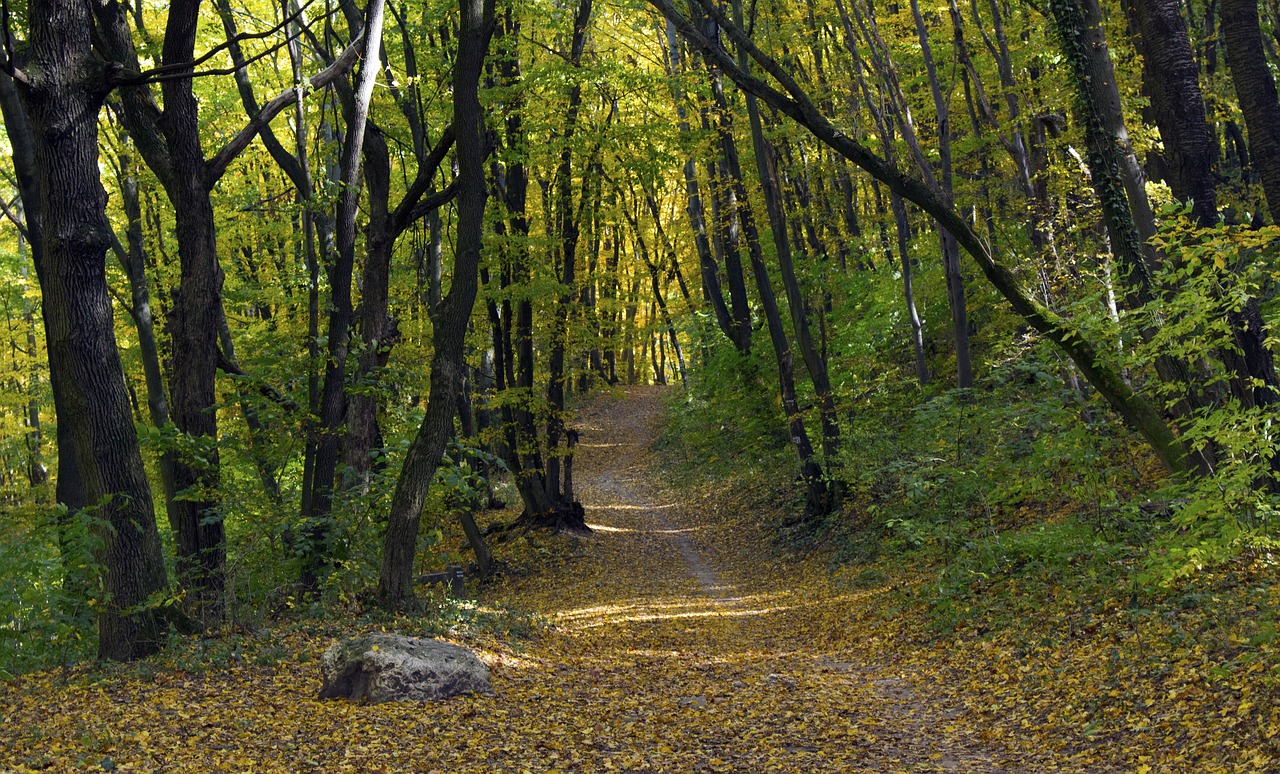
column 678, row 645
column 687, row 650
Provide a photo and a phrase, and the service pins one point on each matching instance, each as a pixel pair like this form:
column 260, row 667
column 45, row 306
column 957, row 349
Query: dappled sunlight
column 644, row 508
column 675, row 642
column 701, row 606
column 663, row 605
column 715, row 611
column 606, row 528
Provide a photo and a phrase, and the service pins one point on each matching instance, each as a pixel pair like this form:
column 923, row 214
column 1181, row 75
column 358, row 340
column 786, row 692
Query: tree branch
column 186, row 69
column 218, row 164
column 407, row 211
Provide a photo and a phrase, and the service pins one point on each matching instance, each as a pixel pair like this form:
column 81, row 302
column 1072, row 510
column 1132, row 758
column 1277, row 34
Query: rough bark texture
column 63, row 100
column 1256, row 90
column 1172, row 79
column 69, row 488
column 395, row 587
column 1171, row 76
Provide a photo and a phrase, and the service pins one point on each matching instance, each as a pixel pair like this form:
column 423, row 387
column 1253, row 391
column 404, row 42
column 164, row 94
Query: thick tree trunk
column 1117, row 176
column 1256, row 91
column 395, row 588
column 63, row 100
column 1172, row 80
column 69, row 487
column 193, row 327
column 1171, row 77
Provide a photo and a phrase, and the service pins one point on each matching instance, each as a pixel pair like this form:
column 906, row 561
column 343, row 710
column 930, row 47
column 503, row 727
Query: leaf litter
column 677, row 638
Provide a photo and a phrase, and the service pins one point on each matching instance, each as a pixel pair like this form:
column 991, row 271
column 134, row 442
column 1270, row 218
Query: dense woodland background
column 286, row 288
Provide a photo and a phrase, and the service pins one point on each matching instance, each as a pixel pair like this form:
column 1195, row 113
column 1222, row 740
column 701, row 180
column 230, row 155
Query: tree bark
column 1172, row 79
column 69, row 487
column 333, row 403
column 1256, row 91
column 566, row 235
column 950, row 249
column 711, row 290
column 63, row 98
column 513, row 184
column 395, row 587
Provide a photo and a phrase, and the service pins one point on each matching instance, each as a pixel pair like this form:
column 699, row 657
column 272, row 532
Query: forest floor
column 677, row 637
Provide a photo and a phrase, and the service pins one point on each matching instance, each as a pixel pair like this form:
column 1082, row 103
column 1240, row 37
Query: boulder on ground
column 390, row 667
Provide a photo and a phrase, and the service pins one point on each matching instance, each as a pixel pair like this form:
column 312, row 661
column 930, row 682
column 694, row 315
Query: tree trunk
column 566, row 235
column 1172, row 80
column 815, row 363
column 726, row 209
column 333, row 403
column 69, row 487
column 378, row 330
column 1171, row 77
column 1256, row 91
column 63, row 100
column 950, row 249
column 513, row 184
column 711, row 290
column 193, row 326
column 133, row 259
column 817, row 491
column 395, row 588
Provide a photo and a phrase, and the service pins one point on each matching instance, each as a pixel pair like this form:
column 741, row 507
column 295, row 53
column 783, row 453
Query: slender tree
column 395, row 588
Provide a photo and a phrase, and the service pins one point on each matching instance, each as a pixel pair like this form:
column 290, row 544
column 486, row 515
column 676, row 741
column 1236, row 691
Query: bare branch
column 406, row 213
column 218, row 164
column 186, row 69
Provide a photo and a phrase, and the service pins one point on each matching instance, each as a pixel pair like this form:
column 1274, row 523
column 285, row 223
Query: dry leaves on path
column 677, row 641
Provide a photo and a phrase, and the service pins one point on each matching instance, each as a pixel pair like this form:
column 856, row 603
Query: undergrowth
column 1015, row 496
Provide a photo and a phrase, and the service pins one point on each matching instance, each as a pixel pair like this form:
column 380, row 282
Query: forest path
column 679, row 646
column 676, row 644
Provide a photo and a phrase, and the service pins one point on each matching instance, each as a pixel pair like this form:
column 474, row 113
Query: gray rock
column 390, row 667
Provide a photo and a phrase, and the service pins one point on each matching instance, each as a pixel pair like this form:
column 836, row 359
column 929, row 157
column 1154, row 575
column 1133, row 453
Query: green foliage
column 999, row 577
column 729, row 421
column 44, row 618
column 1236, row 507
